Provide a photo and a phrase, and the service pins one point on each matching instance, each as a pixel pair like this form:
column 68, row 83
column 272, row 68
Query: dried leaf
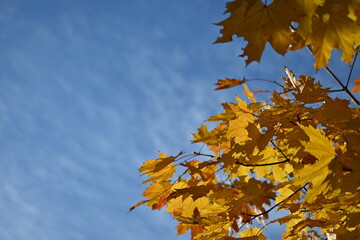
column 228, row 83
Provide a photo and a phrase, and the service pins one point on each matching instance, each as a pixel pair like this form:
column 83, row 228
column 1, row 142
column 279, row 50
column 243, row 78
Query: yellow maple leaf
column 284, row 193
column 156, row 193
column 326, row 25
column 332, row 29
column 181, row 206
column 211, row 138
column 316, row 174
column 319, row 145
column 159, row 169
column 306, row 9
column 258, row 24
column 307, row 223
column 237, row 129
column 252, row 234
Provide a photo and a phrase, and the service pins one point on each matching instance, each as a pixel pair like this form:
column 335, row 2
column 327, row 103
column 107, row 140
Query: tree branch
column 343, row 87
column 245, row 164
column 282, row 153
column 270, row 209
column 262, row 164
column 351, row 68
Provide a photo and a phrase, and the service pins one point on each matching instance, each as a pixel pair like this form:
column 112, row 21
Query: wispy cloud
column 83, row 102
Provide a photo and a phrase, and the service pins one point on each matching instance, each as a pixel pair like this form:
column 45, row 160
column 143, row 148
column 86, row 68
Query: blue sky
column 89, row 90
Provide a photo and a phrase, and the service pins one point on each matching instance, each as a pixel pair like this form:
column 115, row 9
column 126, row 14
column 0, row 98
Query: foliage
column 323, row 24
column 298, row 152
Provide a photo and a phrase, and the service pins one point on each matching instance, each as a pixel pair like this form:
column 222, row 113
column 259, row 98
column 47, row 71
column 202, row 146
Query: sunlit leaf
column 248, row 93
column 357, row 85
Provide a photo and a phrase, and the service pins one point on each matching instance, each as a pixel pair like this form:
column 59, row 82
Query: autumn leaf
column 157, row 192
column 309, row 159
column 307, row 91
column 322, row 149
column 357, row 85
column 252, row 234
column 296, row 152
column 248, row 93
column 228, row 83
column 325, row 25
column 334, row 110
column 210, row 137
column 159, row 169
column 305, row 10
column 237, row 127
column 138, row 204
column 281, row 155
column 258, row 24
column 332, row 30
column 307, row 223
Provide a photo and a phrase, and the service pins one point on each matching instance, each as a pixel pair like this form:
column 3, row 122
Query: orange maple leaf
column 357, row 85
column 228, row 83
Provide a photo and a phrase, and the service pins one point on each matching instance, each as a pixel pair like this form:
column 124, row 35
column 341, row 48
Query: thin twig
column 351, row 68
column 343, row 87
column 282, row 153
column 270, row 209
column 348, row 92
column 336, row 90
column 262, row 164
column 264, row 80
column 244, row 164
column 203, row 154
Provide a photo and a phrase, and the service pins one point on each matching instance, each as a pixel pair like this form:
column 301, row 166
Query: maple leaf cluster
column 298, row 153
column 293, row 24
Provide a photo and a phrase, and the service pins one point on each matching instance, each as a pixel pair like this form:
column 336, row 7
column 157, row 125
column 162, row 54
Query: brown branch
column 351, row 68
column 343, row 87
column 282, row 153
column 244, row 164
column 203, row 154
column 261, row 164
column 270, row 209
